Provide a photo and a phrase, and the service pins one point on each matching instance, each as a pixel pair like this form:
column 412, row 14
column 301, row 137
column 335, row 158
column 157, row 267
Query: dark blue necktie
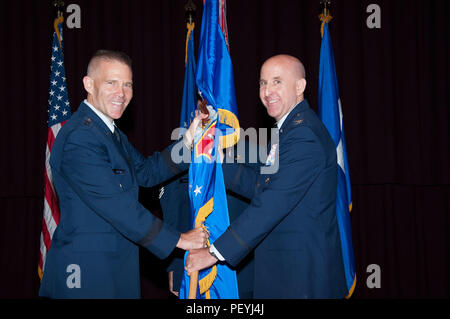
column 117, row 135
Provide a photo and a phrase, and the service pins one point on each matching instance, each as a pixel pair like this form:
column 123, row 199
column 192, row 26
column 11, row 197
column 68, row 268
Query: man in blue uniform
column 292, row 217
column 97, row 174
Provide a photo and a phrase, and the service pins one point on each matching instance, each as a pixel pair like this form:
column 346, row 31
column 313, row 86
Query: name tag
column 271, row 158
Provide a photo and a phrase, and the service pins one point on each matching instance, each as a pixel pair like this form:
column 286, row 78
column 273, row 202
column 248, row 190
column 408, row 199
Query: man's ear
column 301, row 86
column 88, row 83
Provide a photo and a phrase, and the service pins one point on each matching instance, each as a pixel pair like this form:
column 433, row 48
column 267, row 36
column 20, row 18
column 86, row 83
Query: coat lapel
column 117, row 151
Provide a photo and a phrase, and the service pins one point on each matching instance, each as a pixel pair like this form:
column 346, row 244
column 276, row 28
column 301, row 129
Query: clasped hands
column 193, row 239
column 199, row 257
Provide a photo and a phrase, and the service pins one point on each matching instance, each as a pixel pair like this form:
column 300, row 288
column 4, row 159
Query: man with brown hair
column 97, row 174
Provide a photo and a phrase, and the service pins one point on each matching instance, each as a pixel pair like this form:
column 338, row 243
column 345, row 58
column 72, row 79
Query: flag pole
column 193, row 281
column 325, row 16
column 59, row 5
column 190, row 25
column 190, row 8
column 325, row 4
column 190, row 14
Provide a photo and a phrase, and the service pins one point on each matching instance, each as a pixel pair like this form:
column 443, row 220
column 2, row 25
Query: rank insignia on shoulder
column 87, row 122
column 298, row 122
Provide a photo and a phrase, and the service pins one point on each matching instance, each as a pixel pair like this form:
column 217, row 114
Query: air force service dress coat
column 292, row 217
column 94, row 251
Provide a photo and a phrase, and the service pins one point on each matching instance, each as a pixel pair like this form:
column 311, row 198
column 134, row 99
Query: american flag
column 58, row 114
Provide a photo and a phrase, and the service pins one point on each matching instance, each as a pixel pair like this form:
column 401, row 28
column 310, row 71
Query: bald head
column 281, row 85
column 290, row 64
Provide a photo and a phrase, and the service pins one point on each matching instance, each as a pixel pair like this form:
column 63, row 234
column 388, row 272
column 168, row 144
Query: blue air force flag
column 330, row 112
column 207, row 193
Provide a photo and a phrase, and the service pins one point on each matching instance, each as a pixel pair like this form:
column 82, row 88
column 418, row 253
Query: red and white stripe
column 223, row 19
column 51, row 209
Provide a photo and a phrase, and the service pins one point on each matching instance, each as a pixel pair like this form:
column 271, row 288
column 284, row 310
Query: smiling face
column 110, row 87
column 281, row 85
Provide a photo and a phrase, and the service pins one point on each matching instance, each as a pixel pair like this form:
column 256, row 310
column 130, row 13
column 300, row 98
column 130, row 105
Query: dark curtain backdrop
column 394, row 85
